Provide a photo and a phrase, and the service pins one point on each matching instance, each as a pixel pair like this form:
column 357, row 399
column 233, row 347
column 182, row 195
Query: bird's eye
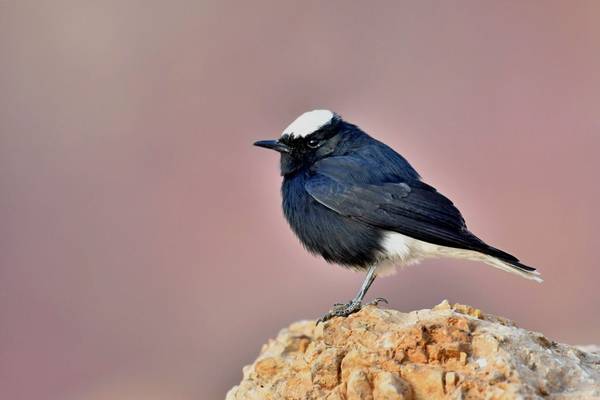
column 313, row 143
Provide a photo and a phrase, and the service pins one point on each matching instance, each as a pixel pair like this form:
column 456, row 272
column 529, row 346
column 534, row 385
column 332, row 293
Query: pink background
column 143, row 253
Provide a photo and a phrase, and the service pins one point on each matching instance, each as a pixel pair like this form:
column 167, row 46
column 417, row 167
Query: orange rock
column 358, row 386
column 449, row 352
column 389, row 386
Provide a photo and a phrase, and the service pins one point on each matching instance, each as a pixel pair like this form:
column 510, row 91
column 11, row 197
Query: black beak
column 273, row 145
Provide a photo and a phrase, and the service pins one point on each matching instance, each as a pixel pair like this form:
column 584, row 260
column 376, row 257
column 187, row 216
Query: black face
column 299, row 152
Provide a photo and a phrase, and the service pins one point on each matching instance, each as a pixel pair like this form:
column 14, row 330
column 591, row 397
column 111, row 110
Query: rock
column 358, row 386
column 389, row 386
column 448, row 352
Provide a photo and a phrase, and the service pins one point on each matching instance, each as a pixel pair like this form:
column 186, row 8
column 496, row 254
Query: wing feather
column 391, row 196
column 407, row 206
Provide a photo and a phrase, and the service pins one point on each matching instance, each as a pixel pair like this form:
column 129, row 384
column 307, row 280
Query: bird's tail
column 507, row 262
column 514, row 267
column 495, row 258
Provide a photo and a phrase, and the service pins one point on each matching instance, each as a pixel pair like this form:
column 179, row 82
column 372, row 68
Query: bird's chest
column 311, row 221
column 335, row 237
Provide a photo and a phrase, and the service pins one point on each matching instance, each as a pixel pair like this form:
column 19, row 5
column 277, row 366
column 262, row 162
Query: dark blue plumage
column 344, row 193
column 344, row 241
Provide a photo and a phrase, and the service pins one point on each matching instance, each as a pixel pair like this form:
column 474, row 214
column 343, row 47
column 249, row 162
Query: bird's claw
column 340, row 310
column 378, row 300
column 346, row 309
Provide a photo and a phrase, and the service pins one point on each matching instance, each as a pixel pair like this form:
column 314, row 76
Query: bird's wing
column 412, row 208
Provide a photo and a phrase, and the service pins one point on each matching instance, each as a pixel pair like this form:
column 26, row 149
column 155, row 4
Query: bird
column 356, row 202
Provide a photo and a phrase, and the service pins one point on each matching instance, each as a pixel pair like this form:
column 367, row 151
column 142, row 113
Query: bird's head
column 312, row 136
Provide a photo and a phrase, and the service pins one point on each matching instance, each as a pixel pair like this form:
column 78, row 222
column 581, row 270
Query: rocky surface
column 448, row 352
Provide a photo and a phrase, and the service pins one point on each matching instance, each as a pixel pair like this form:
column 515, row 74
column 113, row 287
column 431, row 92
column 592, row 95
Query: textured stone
column 448, row 352
column 358, row 386
column 389, row 386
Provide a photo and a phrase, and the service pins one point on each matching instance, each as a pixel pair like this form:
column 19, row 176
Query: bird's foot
column 341, row 310
column 346, row 309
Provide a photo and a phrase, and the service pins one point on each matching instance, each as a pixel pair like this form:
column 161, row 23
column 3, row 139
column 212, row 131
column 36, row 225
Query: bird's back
column 375, row 163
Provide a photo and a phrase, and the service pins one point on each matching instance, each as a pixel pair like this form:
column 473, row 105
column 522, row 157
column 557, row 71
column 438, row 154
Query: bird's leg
column 345, row 309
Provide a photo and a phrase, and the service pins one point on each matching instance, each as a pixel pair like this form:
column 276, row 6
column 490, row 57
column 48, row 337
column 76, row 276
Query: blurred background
column 143, row 252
